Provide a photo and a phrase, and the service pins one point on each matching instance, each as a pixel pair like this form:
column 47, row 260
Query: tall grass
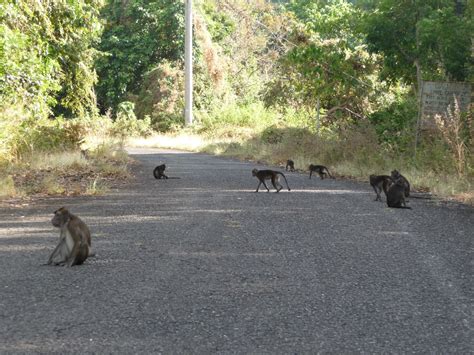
column 40, row 155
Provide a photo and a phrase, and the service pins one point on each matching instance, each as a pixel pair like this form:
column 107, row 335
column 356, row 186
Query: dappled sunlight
column 154, row 151
column 22, row 346
column 330, row 192
column 132, row 218
column 25, row 231
column 395, row 233
column 20, row 248
column 183, row 141
column 214, row 254
column 206, row 191
column 188, row 210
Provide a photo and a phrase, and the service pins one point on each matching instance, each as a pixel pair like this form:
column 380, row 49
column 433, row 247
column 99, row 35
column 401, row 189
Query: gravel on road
column 203, row 264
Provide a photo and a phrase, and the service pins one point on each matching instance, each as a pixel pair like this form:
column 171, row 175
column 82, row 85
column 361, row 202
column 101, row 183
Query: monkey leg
column 277, row 187
column 378, row 198
column 59, row 254
column 262, row 182
column 268, row 190
column 274, row 183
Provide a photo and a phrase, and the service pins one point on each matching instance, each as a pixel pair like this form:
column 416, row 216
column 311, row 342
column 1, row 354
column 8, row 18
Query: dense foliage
column 317, row 65
column 433, row 35
column 47, row 55
column 138, row 36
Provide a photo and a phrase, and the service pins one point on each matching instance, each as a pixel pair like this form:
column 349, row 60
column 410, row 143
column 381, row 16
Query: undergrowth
column 42, row 156
column 64, row 173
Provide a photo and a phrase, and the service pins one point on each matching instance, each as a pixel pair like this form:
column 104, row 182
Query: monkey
column 290, row 164
column 159, row 172
column 272, row 175
column 395, row 175
column 74, row 239
column 396, row 195
column 320, row 170
column 379, row 183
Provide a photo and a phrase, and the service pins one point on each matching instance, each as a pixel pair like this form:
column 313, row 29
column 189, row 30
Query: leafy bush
column 162, row 97
column 21, row 133
column 272, row 135
column 253, row 115
column 395, row 123
column 126, row 123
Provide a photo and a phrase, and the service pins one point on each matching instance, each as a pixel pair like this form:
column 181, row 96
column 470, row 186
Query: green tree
column 327, row 60
column 46, row 55
column 421, row 39
column 138, row 35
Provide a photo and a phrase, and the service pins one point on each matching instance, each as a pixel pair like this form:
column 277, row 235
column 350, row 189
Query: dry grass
column 7, row 187
column 56, row 161
column 65, row 173
column 96, row 187
column 188, row 142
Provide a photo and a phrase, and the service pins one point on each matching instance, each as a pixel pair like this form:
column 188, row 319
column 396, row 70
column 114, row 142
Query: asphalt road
column 203, row 265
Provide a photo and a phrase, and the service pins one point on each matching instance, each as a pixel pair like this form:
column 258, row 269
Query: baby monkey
column 320, row 169
column 272, row 175
column 290, row 164
column 379, row 183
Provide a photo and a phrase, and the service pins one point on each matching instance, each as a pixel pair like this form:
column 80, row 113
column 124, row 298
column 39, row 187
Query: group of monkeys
column 396, row 187
column 74, row 245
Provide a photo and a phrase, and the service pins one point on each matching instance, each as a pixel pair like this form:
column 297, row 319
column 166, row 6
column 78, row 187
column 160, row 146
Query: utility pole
column 188, row 63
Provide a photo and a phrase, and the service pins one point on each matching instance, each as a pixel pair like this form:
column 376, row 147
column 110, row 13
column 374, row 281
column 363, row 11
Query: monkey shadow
column 421, row 196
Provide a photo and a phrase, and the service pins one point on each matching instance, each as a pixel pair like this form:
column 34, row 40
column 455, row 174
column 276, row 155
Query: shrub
column 126, row 123
column 455, row 129
column 272, row 135
column 394, row 124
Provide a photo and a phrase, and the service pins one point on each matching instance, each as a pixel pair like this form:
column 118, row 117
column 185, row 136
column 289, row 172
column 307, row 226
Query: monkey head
column 61, row 217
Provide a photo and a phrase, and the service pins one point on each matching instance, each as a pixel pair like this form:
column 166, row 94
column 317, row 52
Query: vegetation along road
column 203, row 264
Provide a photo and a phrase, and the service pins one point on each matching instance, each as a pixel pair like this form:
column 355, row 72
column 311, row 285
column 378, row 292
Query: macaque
column 379, row 183
column 320, row 169
column 395, row 175
column 272, row 175
column 396, row 195
column 74, row 239
column 159, row 172
column 290, row 164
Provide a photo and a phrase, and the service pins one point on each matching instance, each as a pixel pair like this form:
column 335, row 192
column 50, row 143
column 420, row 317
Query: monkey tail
column 284, row 177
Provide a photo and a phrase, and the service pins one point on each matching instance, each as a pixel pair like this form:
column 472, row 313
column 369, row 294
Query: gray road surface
column 204, row 265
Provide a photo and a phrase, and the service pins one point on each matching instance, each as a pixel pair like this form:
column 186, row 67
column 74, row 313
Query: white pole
column 188, row 64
